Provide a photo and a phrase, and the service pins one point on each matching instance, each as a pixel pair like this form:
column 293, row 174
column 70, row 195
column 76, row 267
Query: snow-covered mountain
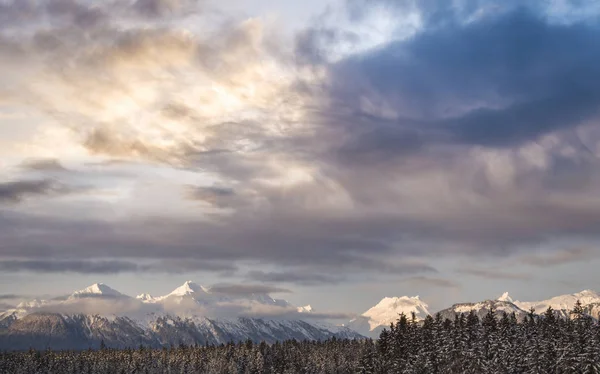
column 502, row 304
column 388, row 310
column 97, row 290
column 190, row 314
column 564, row 303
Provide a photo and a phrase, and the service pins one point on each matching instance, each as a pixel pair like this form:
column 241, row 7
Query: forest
column 496, row 343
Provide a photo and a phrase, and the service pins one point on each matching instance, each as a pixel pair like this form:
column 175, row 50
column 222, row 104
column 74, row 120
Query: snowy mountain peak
column 505, row 297
column 188, row 288
column 562, row 303
column 389, row 308
column 97, row 289
column 144, row 297
column 587, row 293
column 305, row 309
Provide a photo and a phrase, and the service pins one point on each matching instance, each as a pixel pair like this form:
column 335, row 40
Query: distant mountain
column 503, row 304
column 564, row 303
column 195, row 314
column 191, row 314
column 371, row 322
column 97, row 290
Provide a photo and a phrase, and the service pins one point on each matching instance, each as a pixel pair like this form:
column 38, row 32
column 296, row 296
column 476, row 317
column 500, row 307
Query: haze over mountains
column 195, row 314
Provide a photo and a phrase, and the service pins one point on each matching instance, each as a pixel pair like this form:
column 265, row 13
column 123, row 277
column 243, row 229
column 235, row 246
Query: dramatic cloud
column 469, row 130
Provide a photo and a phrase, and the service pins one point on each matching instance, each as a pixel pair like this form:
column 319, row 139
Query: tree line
column 496, row 343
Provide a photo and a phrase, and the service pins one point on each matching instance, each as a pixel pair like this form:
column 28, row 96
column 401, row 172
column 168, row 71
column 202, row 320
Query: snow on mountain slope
column 387, row 311
column 99, row 312
column 563, row 303
column 389, row 308
column 505, row 297
column 145, row 297
column 305, row 309
column 481, row 308
column 97, row 290
column 206, row 296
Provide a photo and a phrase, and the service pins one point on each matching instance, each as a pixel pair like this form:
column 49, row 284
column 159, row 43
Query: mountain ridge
column 201, row 313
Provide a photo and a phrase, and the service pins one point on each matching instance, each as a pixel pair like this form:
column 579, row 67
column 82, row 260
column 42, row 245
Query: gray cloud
column 47, row 164
column 490, row 273
column 214, row 195
column 245, row 289
column 111, row 266
column 10, row 297
column 469, row 138
column 18, row 190
column 429, row 282
column 562, row 257
column 485, row 83
column 295, row 277
column 76, row 266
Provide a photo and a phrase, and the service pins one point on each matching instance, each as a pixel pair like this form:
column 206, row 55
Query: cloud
column 476, row 135
column 10, row 297
column 487, row 83
column 108, row 306
column 47, row 164
column 295, row 277
column 576, row 254
column 111, row 266
column 428, row 282
column 275, row 312
column 14, row 192
column 76, row 266
column 215, row 195
column 245, row 289
column 490, row 273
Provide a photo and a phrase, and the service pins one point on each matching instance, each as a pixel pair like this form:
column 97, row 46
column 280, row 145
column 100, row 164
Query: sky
column 342, row 150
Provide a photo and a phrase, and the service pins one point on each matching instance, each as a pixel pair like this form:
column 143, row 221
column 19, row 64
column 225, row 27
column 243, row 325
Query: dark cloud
column 74, row 266
column 245, row 289
column 323, row 243
column 10, row 297
column 16, row 191
column 164, row 8
column 498, row 81
column 112, row 266
column 214, row 195
column 294, row 277
column 58, row 12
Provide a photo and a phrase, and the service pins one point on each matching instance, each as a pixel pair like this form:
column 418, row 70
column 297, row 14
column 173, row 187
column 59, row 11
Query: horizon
column 334, row 152
column 269, row 291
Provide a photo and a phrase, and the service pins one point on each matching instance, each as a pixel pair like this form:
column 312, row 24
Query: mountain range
column 190, row 314
column 195, row 314
column 371, row 322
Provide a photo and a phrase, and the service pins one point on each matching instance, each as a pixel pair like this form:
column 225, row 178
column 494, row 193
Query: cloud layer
column 228, row 144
